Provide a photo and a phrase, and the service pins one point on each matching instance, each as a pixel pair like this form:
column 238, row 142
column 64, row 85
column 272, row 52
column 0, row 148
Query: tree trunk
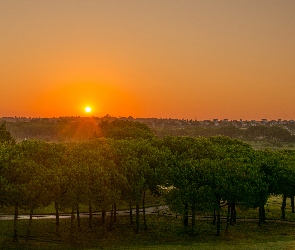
column 227, row 216
column 78, row 217
column 143, row 210
column 193, row 219
column 130, row 212
column 112, row 214
column 103, row 216
column 112, row 218
column 72, row 218
column 292, row 204
column 137, row 218
column 261, row 214
column 214, row 217
column 90, row 215
column 115, row 213
column 15, row 222
column 185, row 217
column 30, row 222
column 56, row 219
column 283, row 208
column 31, row 215
column 233, row 216
column 218, row 224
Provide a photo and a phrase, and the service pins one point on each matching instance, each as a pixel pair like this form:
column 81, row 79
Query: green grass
column 261, row 145
column 272, row 210
column 163, row 233
column 51, row 209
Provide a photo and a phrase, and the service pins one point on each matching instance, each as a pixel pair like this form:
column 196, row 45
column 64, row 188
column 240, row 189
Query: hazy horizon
column 165, row 59
column 131, row 117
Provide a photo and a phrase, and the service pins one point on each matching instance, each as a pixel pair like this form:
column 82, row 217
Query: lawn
column 163, row 233
column 272, row 145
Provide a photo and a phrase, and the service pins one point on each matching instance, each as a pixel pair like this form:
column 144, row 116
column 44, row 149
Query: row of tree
column 255, row 133
column 63, row 129
column 193, row 174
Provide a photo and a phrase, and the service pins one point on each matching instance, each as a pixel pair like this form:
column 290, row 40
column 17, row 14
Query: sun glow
column 88, row 109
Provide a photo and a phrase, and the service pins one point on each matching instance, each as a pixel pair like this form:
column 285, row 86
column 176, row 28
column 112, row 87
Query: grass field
column 261, row 145
column 163, row 233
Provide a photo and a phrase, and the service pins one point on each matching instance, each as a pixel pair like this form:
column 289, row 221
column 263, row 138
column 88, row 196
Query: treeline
column 62, row 130
column 191, row 174
column 255, row 133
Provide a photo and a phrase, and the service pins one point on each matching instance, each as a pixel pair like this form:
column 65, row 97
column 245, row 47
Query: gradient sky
column 148, row 58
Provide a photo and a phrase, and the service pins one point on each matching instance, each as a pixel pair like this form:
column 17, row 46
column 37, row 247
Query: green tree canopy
column 122, row 129
column 5, row 135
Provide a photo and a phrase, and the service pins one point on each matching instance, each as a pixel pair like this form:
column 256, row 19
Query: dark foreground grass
column 163, row 233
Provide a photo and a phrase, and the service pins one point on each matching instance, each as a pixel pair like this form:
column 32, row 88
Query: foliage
column 195, row 174
column 5, row 135
column 268, row 134
column 122, row 129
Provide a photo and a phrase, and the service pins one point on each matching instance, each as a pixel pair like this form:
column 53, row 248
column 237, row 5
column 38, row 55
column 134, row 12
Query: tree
column 268, row 134
column 17, row 172
column 188, row 188
column 5, row 135
column 238, row 178
column 212, row 173
column 123, row 129
column 230, row 131
column 53, row 160
column 94, row 171
column 279, row 174
column 37, row 189
column 141, row 164
column 286, row 176
column 186, row 175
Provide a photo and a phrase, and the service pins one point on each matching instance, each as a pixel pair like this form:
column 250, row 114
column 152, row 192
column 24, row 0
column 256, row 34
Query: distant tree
column 263, row 133
column 5, row 135
column 279, row 134
column 123, row 129
column 230, row 131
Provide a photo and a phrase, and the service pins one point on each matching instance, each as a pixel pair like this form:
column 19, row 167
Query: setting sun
column 88, row 109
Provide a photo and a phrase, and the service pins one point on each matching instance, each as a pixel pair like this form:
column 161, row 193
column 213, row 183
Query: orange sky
column 158, row 58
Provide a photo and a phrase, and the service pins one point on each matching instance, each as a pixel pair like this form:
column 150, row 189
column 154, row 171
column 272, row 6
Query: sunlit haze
column 159, row 58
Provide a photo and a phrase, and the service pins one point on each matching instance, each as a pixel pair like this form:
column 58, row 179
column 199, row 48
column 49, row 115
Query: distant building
column 264, row 121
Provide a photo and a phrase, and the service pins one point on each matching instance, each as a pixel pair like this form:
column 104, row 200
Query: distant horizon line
column 131, row 117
